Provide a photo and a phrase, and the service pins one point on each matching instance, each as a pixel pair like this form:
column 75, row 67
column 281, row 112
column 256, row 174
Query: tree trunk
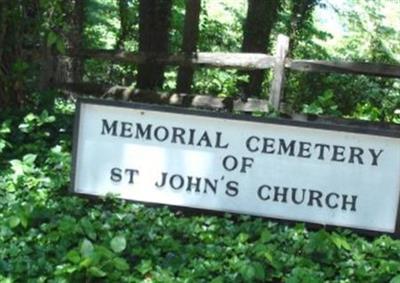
column 301, row 12
column 17, row 22
column 190, row 37
column 48, row 67
column 3, row 30
column 124, row 29
column 125, row 32
column 154, row 24
column 76, row 38
column 3, row 26
column 261, row 17
column 56, row 68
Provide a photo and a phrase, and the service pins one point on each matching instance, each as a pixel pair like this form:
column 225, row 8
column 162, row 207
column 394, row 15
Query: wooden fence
column 243, row 61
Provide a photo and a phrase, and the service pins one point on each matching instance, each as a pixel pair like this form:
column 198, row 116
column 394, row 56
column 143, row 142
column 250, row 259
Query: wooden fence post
column 279, row 71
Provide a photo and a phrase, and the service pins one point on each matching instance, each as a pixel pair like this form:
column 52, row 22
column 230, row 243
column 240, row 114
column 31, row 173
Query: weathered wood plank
column 245, row 61
column 371, row 69
column 278, row 81
column 177, row 99
column 251, row 105
column 206, row 101
column 248, row 61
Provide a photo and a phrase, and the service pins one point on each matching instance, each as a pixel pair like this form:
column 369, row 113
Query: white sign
column 240, row 165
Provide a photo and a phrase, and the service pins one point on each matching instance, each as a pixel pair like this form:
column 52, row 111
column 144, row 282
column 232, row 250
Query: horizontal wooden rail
column 177, row 99
column 371, row 69
column 242, row 61
column 245, row 61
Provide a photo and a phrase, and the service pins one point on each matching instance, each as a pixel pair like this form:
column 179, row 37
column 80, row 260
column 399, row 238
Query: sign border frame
column 341, row 125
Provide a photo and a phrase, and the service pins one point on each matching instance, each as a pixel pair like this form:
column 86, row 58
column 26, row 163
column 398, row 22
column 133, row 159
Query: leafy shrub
column 49, row 235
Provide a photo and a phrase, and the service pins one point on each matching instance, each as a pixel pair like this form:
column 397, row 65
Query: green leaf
column 259, row 271
column 268, row 255
column 16, row 166
column 29, row 158
column 265, row 235
column 24, row 127
column 86, row 248
column 86, row 262
column 340, row 242
column 14, row 221
column 2, row 145
column 104, row 252
column 243, row 237
column 73, row 256
column 312, row 109
column 218, row 279
column 5, row 127
column 49, row 119
column 60, row 45
column 121, row 264
column 88, row 228
column 303, row 275
column 118, row 244
column 145, row 266
column 24, row 220
column 395, row 279
column 96, row 272
column 51, row 38
column 248, row 272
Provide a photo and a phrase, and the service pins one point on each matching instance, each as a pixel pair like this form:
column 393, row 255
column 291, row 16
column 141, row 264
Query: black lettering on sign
column 178, row 134
column 250, row 143
column 126, row 130
column 117, row 174
column 315, row 197
column 320, row 147
column 286, row 148
column 230, row 163
column 375, row 155
column 204, row 140
column 218, row 143
column 131, row 173
column 338, row 153
column 160, row 133
column 178, row 182
column 232, row 188
column 351, row 202
column 268, row 145
column 191, row 136
column 161, row 183
column 262, row 194
column 280, row 193
column 304, row 149
column 329, row 202
column 143, row 132
column 247, row 162
column 307, row 197
column 107, row 128
column 294, row 196
column 317, row 151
